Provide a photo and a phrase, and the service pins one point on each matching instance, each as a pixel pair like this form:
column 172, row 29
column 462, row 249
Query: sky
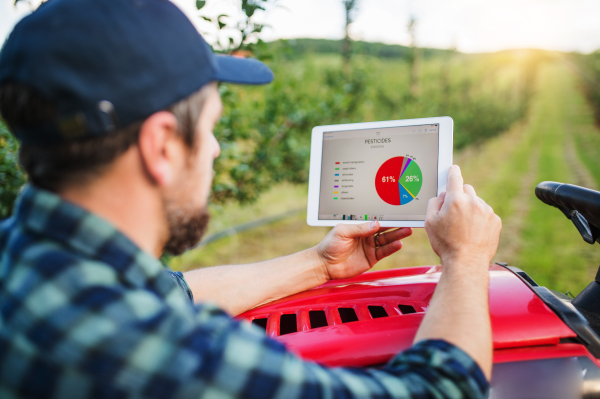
column 467, row 25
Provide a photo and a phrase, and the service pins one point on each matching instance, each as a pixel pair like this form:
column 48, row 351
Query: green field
column 555, row 140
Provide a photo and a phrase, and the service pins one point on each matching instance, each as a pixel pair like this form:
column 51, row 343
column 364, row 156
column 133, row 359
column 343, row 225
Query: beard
column 186, row 225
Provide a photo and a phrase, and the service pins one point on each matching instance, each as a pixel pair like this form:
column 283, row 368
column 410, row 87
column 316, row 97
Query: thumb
column 359, row 230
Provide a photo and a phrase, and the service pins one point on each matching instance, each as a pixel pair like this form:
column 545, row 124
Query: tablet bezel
column 446, row 126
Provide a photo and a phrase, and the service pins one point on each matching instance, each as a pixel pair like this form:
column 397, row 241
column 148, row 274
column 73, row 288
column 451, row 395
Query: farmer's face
column 186, row 206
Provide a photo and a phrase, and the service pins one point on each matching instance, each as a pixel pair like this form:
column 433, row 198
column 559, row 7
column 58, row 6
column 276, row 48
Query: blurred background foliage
column 265, row 132
column 589, row 68
column 11, row 176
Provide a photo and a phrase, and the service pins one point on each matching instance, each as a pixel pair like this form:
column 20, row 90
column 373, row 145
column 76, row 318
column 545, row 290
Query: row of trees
column 590, row 73
column 265, row 132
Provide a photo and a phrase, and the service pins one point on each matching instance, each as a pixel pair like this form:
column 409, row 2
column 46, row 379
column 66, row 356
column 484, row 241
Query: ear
column 161, row 149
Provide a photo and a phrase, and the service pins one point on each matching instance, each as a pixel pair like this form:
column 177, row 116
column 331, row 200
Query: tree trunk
column 349, row 6
column 415, row 60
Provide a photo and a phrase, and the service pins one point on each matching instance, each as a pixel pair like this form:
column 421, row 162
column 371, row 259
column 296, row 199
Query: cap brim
column 242, row 70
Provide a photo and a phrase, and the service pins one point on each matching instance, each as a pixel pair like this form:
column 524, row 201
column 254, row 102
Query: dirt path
column 512, row 226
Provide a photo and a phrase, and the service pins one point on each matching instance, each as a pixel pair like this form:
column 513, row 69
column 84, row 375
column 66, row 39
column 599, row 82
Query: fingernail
column 372, row 225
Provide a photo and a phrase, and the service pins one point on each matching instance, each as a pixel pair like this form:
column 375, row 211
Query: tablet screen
column 379, row 174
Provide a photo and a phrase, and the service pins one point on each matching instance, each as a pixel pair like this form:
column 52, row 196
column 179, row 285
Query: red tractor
column 546, row 345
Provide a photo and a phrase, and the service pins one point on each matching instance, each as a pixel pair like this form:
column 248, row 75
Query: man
column 114, row 103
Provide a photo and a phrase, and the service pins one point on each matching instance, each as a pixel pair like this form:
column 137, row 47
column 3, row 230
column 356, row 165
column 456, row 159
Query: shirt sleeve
column 180, row 280
column 137, row 346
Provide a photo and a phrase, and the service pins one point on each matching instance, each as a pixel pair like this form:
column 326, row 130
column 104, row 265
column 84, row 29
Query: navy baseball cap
column 107, row 63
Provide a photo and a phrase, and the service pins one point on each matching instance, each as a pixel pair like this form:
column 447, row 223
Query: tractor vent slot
column 317, row 318
column 407, row 309
column 347, row 314
column 262, row 323
column 377, row 312
column 287, row 324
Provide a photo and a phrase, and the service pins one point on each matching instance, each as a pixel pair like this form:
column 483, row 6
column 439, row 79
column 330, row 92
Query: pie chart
column 398, row 180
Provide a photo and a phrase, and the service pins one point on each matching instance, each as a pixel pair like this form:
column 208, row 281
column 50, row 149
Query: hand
column 349, row 250
column 461, row 226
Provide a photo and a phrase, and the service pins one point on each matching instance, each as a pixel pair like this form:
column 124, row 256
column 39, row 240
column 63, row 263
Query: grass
column 556, row 141
column 555, row 254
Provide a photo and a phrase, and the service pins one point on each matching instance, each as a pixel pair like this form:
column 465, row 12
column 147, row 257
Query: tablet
column 384, row 171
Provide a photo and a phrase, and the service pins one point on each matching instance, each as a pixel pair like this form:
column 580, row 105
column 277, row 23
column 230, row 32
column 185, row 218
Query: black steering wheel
column 581, row 205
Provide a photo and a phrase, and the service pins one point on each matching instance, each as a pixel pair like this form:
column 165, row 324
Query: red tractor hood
column 387, row 308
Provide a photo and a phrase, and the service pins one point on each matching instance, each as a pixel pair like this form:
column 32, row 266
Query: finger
column 395, row 235
column 371, row 239
column 358, row 230
column 468, row 189
column 384, row 229
column 455, row 180
column 387, row 250
column 434, row 205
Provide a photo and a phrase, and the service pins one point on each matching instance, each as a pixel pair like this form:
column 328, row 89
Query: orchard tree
column 350, row 8
column 414, row 59
column 237, row 34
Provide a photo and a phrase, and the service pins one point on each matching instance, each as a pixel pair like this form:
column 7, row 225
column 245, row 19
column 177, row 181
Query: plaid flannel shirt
column 84, row 313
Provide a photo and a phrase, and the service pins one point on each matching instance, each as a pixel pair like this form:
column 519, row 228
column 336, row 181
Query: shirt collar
column 52, row 217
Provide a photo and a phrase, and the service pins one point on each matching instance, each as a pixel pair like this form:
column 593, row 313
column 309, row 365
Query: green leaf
column 221, row 23
column 200, row 4
column 250, row 7
column 12, row 177
column 206, row 18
